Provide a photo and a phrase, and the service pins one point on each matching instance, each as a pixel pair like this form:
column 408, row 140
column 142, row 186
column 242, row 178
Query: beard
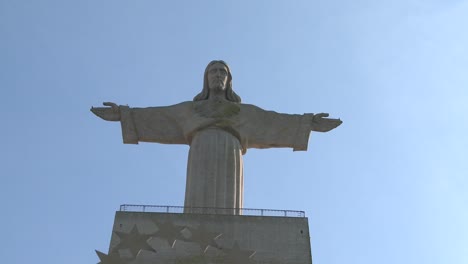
column 218, row 86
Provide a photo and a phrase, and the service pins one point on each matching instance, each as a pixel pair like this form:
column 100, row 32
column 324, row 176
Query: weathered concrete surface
column 197, row 238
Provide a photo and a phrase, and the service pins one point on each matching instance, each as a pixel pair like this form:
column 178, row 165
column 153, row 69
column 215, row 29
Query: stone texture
column 201, row 238
column 219, row 130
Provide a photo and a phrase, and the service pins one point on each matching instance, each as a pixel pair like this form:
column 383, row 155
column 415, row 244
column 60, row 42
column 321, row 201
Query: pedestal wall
column 149, row 238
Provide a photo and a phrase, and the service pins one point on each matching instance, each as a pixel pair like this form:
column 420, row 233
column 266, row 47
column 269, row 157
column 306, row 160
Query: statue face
column 217, row 77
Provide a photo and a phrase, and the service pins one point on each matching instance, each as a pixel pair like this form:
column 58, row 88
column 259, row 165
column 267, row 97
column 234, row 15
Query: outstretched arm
column 151, row 124
column 268, row 129
column 111, row 113
column 322, row 124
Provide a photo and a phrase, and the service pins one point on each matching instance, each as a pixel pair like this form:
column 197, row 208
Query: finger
column 322, row 114
column 113, row 105
column 335, row 121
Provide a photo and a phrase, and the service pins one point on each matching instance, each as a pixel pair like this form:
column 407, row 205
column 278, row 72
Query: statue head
column 229, row 93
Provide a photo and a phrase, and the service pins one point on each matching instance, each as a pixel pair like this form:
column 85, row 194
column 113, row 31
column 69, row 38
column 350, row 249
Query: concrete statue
column 219, row 130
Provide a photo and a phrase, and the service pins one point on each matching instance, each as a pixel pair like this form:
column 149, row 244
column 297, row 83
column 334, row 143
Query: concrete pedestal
column 150, row 238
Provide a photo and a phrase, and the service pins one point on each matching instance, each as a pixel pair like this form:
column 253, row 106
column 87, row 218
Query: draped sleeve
column 155, row 124
column 268, row 129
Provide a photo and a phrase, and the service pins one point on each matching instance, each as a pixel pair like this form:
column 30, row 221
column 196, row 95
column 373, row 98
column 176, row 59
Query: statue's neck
column 217, row 96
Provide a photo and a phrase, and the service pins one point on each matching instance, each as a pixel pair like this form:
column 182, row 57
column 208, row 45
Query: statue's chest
column 220, row 110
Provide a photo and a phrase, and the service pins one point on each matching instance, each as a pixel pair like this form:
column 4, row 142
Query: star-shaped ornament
column 110, row 259
column 134, row 241
column 238, row 256
column 204, row 237
column 169, row 232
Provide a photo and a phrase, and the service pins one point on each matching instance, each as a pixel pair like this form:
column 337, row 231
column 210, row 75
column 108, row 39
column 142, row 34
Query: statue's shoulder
column 246, row 108
column 249, row 107
column 185, row 104
column 182, row 108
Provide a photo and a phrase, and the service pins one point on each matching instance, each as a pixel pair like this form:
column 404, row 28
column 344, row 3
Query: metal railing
column 209, row 210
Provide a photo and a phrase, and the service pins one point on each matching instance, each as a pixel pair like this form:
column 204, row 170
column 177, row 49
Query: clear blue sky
column 388, row 186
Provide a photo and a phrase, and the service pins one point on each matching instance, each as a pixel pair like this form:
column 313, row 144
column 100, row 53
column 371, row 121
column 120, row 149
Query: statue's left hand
column 322, row 124
column 111, row 113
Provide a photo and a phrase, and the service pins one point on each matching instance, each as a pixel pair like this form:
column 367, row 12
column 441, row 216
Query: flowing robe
column 219, row 133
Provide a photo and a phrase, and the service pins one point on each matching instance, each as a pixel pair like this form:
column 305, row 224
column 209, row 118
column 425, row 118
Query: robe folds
column 219, row 132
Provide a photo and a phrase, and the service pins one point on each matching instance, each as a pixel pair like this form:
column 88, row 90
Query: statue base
column 179, row 238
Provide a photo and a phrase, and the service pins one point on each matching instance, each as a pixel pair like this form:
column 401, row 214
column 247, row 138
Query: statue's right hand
column 322, row 124
column 111, row 113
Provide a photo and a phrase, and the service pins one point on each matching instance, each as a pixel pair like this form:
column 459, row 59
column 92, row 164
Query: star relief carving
column 203, row 237
column 133, row 241
column 169, row 232
column 110, row 259
column 238, row 256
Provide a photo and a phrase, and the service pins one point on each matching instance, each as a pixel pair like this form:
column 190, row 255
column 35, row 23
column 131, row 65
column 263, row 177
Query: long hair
column 205, row 93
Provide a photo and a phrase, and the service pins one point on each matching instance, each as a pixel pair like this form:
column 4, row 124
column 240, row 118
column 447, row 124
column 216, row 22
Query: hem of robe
column 303, row 132
column 129, row 132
